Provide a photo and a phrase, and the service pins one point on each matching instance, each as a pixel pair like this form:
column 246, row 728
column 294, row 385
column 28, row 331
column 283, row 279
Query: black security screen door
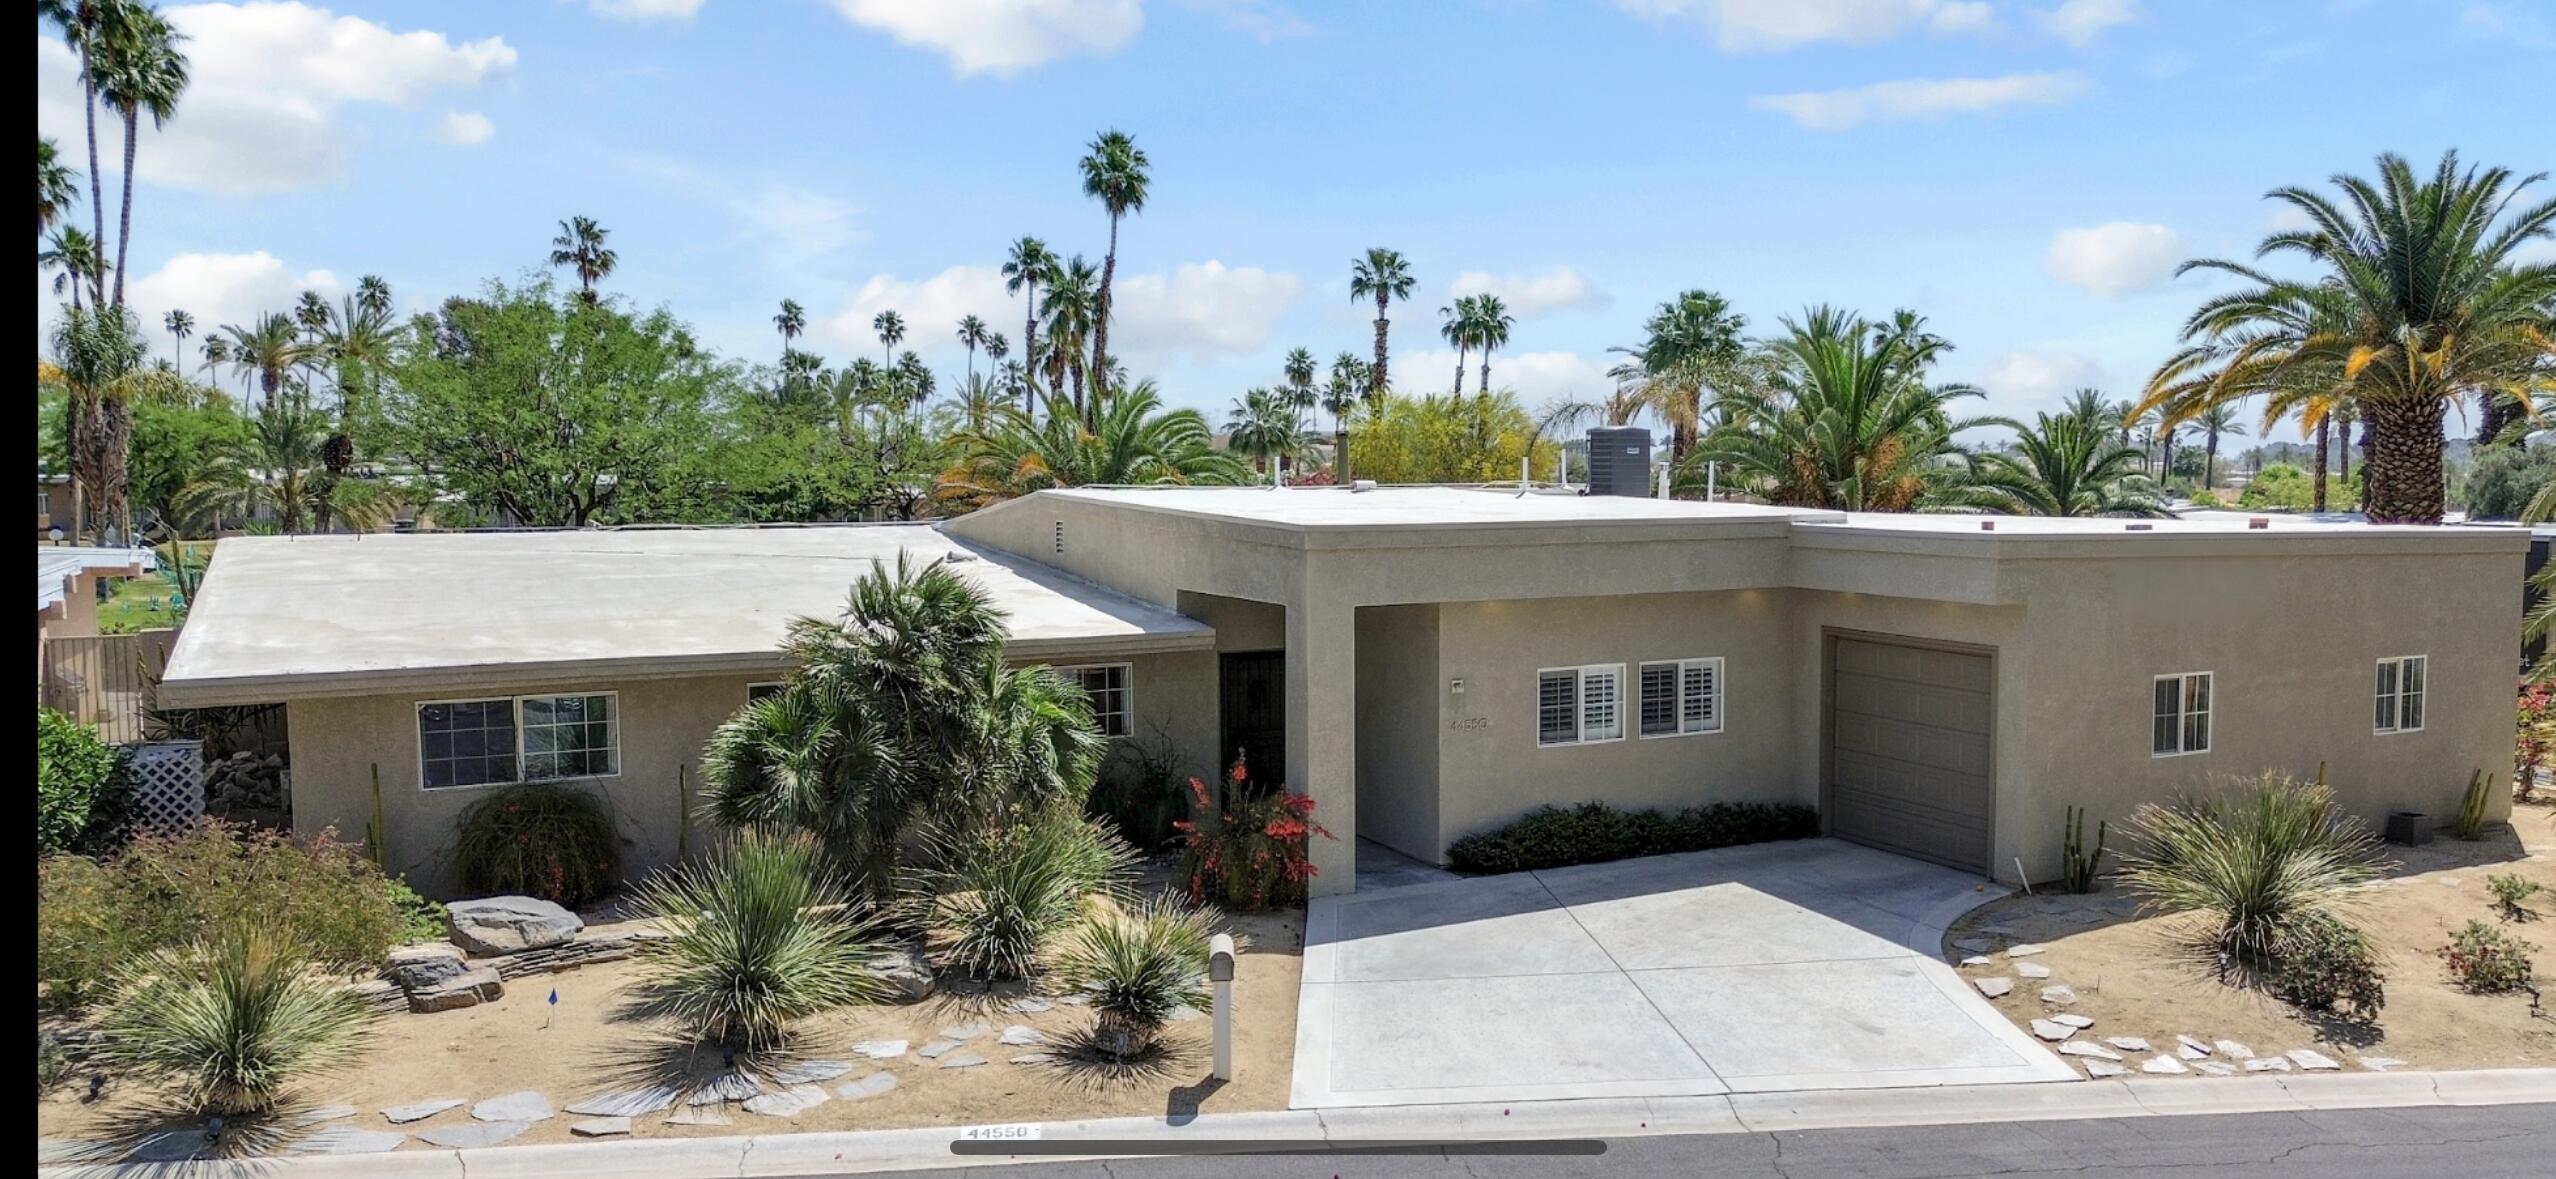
column 1252, row 693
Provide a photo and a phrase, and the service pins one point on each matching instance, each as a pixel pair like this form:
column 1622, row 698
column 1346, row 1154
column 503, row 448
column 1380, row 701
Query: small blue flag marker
column 554, row 1008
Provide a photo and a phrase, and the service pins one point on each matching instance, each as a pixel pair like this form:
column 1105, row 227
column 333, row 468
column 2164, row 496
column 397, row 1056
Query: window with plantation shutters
column 2399, row 700
column 1680, row 697
column 1579, row 705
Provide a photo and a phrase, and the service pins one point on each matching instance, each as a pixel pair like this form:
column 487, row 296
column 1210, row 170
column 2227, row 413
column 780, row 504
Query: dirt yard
column 2130, row 978
column 582, row 1047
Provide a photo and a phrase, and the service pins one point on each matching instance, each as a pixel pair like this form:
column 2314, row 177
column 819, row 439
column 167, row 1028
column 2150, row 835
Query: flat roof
column 57, row 565
column 284, row 616
column 1422, row 506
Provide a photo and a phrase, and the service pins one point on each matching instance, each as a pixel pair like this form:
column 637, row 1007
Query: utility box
column 1620, row 461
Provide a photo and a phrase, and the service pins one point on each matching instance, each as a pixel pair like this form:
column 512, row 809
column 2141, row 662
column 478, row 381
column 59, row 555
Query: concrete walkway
column 1793, row 966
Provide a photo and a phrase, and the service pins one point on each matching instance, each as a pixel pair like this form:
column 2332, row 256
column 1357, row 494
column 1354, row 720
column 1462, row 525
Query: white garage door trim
column 1939, row 737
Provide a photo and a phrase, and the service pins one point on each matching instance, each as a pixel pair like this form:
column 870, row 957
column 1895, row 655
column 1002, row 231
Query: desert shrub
column 2279, row 485
column 997, row 900
column 53, row 1062
column 761, row 935
column 1593, row 832
column 2511, row 894
column 167, row 890
column 1139, row 792
column 1139, row 965
column 2533, row 735
column 2257, row 862
column 1247, row 847
column 2485, row 960
column 232, row 1019
column 539, row 839
column 2505, row 477
column 75, row 772
column 2323, row 963
column 420, row 920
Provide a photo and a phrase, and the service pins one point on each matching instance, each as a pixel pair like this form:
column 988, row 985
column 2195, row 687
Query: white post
column 1220, row 974
column 1664, row 480
column 1711, row 471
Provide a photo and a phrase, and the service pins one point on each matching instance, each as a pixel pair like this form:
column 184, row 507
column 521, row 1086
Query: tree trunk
column 124, row 221
column 1029, row 345
column 1457, row 389
column 1378, row 383
column 1484, row 389
column 2210, row 461
column 2402, row 477
column 97, row 193
column 2324, row 449
column 1100, row 322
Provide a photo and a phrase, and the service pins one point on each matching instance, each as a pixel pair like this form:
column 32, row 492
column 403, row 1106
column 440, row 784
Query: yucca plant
column 2258, row 861
column 232, row 1019
column 1139, row 965
column 760, row 936
column 996, row 901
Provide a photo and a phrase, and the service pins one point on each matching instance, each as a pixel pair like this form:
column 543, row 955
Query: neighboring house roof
column 286, row 616
column 57, row 566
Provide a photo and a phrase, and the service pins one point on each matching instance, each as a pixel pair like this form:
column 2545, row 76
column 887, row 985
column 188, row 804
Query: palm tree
column 217, row 353
column 2063, row 466
column 180, row 325
column 1132, row 440
column 2429, row 304
column 1491, row 324
column 1300, row 370
column 1115, row 173
column 1382, row 275
column 1458, row 325
column 57, row 185
column 792, row 320
column 890, row 327
column 1846, row 421
column 971, row 334
column 98, row 351
column 1262, row 425
column 580, row 247
column 1072, row 298
column 81, row 22
column 1690, row 344
column 283, row 465
column 139, row 69
column 1341, row 395
column 75, row 255
column 373, row 294
column 310, row 313
column 2216, row 420
column 268, row 349
column 1028, row 265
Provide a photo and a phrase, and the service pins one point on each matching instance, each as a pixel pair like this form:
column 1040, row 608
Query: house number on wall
column 1470, row 722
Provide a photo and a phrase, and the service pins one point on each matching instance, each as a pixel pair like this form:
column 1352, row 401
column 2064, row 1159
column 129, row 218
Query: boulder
column 468, row 989
column 416, row 968
column 509, row 925
column 907, row 977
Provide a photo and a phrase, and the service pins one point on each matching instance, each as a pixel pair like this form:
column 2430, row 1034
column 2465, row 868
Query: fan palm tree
column 1691, row 344
column 2433, row 303
column 217, row 353
column 282, row 466
column 82, row 22
column 1263, row 425
column 73, row 254
column 792, row 320
column 1458, row 325
column 890, row 328
column 180, row 326
column 1491, row 324
column 1381, row 275
column 580, row 247
column 1846, row 420
column 1132, row 440
column 99, row 351
column 140, row 69
column 1117, row 174
column 269, row 349
column 1028, row 265
column 1072, row 299
column 2061, row 466
column 373, row 294
column 971, row 335
column 57, row 185
column 2215, row 421
column 1342, row 393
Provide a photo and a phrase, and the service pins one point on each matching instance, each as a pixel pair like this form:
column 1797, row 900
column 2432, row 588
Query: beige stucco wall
column 1400, row 722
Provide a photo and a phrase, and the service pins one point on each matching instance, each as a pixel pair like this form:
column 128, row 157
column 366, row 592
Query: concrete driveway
column 1802, row 965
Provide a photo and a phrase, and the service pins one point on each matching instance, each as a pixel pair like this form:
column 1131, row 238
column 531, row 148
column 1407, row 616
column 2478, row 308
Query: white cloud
column 798, row 226
column 2115, row 259
column 1919, row 98
column 1263, row 20
column 265, row 109
column 1740, row 26
column 2081, row 22
column 931, row 309
column 1199, row 310
column 645, row 11
column 2024, row 383
column 1001, row 37
column 465, row 129
column 1533, row 294
column 1536, row 377
column 220, row 289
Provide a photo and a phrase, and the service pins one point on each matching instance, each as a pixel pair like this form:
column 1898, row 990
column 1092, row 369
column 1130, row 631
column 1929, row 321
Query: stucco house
column 1431, row 662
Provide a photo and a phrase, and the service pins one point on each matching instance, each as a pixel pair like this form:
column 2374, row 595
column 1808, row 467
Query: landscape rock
column 962, row 1060
column 2192, row 1047
column 2078, row 1022
column 2061, row 994
column 509, row 925
column 416, row 968
column 2100, row 1069
column 347, row 1140
column 1978, row 960
column 2216, row 1068
column 1030, row 1005
column 2233, row 1050
column 2053, row 1032
column 2032, row 970
column 2024, row 950
column 2163, row 1065
column 380, row 995
column 1021, row 1036
column 418, row 1111
column 802, row 1072
column 2268, row 1064
column 1183, row 1014
column 2088, row 1049
column 1034, row 1058
column 524, row 1106
column 936, row 1049
column 169, row 1146
column 880, row 1049
column 869, row 1086
column 628, row 1103
column 600, row 1127
column 965, row 1032
column 794, row 1100
column 2380, row 1064
column 2128, row 1043
column 2313, row 1060
column 1995, row 988
column 724, row 1088
column 692, row 1115
column 473, row 1135
column 908, row 977
column 468, row 989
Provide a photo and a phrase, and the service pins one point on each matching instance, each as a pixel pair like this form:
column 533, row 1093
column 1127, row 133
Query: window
column 764, row 690
column 1106, row 684
column 2182, row 714
column 522, row 739
column 466, row 743
column 1579, row 705
column 1681, row 696
column 2400, row 693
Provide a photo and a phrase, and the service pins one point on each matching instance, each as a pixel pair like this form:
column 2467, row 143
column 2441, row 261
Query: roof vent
column 1060, row 537
column 2258, row 522
column 1357, row 485
column 2131, row 527
column 1987, row 526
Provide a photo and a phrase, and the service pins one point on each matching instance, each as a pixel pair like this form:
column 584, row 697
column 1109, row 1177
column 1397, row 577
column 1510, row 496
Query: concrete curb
column 917, row 1149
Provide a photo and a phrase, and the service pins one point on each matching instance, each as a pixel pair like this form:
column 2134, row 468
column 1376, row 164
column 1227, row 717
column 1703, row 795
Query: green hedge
column 78, row 776
column 1593, row 833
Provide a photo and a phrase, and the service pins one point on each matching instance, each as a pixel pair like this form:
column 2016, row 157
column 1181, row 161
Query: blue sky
column 2024, row 172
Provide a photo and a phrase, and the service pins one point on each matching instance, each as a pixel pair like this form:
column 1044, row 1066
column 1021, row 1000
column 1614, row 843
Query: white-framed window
column 1579, row 705
column 2399, row 700
column 763, row 689
column 1680, row 697
column 2182, row 720
column 1113, row 697
column 518, row 739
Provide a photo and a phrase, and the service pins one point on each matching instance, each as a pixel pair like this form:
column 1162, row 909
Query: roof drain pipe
column 1526, row 473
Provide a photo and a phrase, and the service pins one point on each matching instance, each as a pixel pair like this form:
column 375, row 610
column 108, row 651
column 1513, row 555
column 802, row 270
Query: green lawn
column 146, row 602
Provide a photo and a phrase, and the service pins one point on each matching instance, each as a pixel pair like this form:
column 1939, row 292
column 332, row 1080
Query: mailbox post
column 1220, row 974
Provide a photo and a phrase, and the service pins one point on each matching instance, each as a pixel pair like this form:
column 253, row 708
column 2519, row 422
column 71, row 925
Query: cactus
column 2077, row 868
column 374, row 830
column 2471, row 809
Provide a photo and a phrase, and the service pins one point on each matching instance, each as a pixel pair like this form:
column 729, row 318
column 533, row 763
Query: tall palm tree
column 373, row 294
column 1846, row 419
column 57, row 185
column 139, row 70
column 1691, row 344
column 2061, row 466
column 1263, row 425
column 310, row 313
column 890, row 327
column 580, row 247
column 217, row 353
column 98, row 351
column 1381, row 275
column 971, row 335
column 2215, row 421
column 1117, row 174
column 2433, row 304
column 1342, row 393
column 790, row 321
column 282, row 465
column 1132, row 439
column 180, row 326
column 1491, row 324
column 82, row 22
column 74, row 255
column 1072, row 303
column 268, row 349
column 1300, row 370
column 1458, row 325
column 1028, row 265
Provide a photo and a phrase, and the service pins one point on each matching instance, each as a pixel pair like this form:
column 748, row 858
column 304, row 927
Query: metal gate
column 106, row 681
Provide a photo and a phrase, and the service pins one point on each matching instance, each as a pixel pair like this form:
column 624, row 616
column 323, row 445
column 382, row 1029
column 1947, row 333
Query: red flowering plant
column 1245, row 847
column 2536, row 734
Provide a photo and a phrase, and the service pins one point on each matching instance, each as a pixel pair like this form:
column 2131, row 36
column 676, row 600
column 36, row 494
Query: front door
column 1252, row 703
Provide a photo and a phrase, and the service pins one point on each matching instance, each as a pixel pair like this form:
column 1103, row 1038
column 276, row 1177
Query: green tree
column 175, row 442
column 890, row 327
column 1491, row 324
column 180, row 325
column 2215, row 421
column 74, row 255
column 580, row 247
column 554, row 412
column 139, row 70
column 1448, row 440
column 57, row 185
column 1459, row 326
column 1381, row 275
column 1117, row 174
column 1263, row 425
column 82, row 23
column 971, row 336
column 99, row 352
column 792, row 320
column 1132, row 440
column 1691, row 345
column 1342, row 393
column 280, row 464
column 268, row 349
column 1028, row 265
column 2066, row 465
column 1847, row 419
column 1071, row 307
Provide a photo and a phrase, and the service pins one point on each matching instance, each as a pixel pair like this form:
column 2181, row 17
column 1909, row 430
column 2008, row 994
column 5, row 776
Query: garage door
column 1908, row 760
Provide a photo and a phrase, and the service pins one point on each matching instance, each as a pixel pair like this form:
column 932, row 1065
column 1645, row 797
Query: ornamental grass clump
column 232, row 1020
column 996, row 900
column 1139, row 965
column 759, row 937
column 539, row 839
column 2255, row 865
column 1246, row 847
